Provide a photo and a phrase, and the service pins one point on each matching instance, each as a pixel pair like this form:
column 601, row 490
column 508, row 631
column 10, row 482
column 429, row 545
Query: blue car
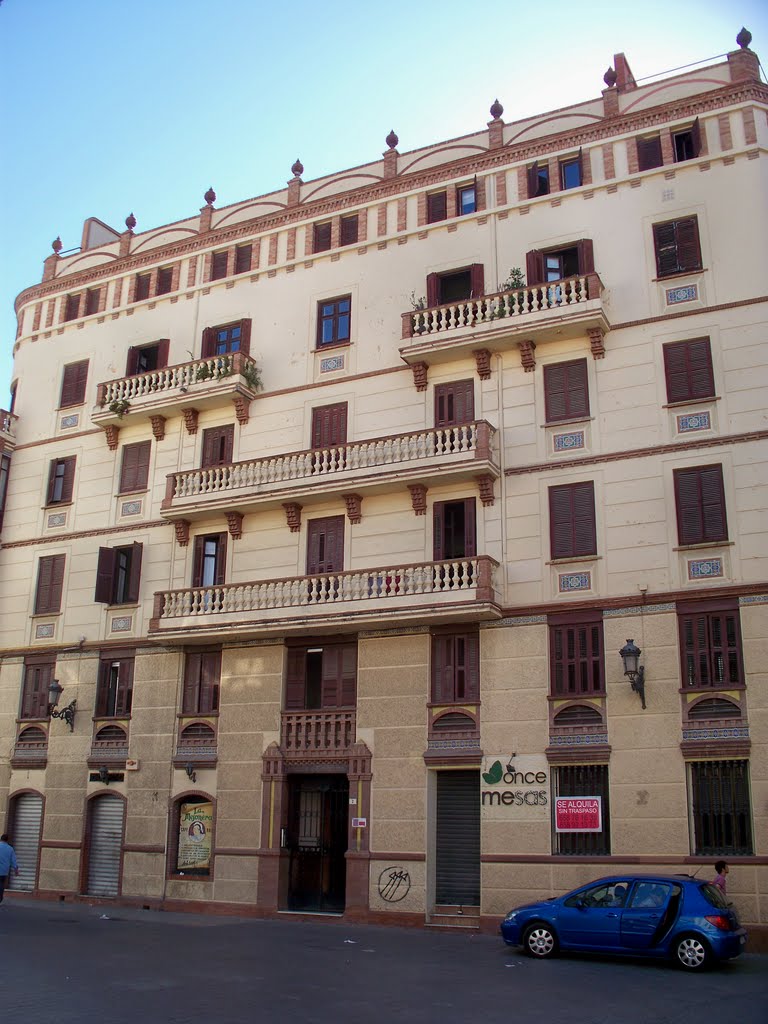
column 674, row 916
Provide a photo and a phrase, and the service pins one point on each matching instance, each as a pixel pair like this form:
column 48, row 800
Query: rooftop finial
column 744, row 38
column 130, row 222
column 57, row 245
column 298, row 168
column 496, row 110
column 392, row 139
column 210, row 196
column 610, row 77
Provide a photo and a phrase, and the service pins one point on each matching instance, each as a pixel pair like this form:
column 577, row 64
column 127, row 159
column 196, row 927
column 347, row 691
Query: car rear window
column 714, row 895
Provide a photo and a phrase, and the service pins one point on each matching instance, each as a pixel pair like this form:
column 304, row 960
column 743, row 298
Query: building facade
column 327, row 514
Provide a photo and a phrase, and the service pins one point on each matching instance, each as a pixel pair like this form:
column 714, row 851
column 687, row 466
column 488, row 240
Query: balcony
column 427, row 456
column 457, row 590
column 314, row 732
column 7, row 430
column 568, row 308
column 185, row 388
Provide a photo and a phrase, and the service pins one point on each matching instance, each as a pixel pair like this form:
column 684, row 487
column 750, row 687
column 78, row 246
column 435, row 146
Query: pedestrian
column 7, row 863
column 722, row 871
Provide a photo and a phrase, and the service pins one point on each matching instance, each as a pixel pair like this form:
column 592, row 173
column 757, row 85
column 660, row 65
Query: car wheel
column 692, row 953
column 540, row 941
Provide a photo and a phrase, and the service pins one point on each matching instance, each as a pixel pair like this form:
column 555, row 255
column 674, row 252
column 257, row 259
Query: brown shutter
column 132, row 362
column 102, row 689
column 192, row 674
column 349, row 230
column 649, row 153
column 105, row 575
column 566, row 391
column 134, row 471
column 37, row 678
column 665, row 246
column 197, row 562
column 348, row 667
column 688, row 370
column 437, row 207
column 533, row 182
column 454, row 403
column 69, row 478
column 555, row 402
column 243, row 259
column 580, row 162
column 584, row 530
column 713, row 504
column 433, row 290
column 585, row 256
column 221, row 559
column 534, row 267
column 209, row 342
column 219, row 265
column 134, row 574
column 125, row 687
column 163, row 344
column 295, row 675
column 438, row 530
column 696, row 138
column 330, row 693
column 325, row 545
column 477, row 280
column 50, row 580
column 210, row 675
column 218, row 445
column 470, row 542
column 321, row 237
column 443, row 669
column 572, row 520
column 329, row 425
column 472, row 667
column 51, row 481
column 700, row 500
column 688, row 249
column 245, row 335
column 73, row 383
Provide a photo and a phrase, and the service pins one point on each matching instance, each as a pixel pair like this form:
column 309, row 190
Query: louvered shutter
column 331, row 677
column 438, row 531
column 219, row 265
column 580, row 162
column 688, row 370
column 688, row 249
column 725, row 648
column 572, row 520
column 221, row 559
column 696, row 138
column 37, row 679
column 218, row 444
column 470, row 532
column 73, row 384
column 69, row 479
column 443, row 669
column 209, row 343
column 329, row 425
column 584, row 533
column 555, row 398
column 585, row 256
column 245, row 336
column 132, row 362
column 566, row 390
column 102, row 688
column 243, row 259
column 163, row 344
column 454, row 403
column 433, row 290
column 134, row 574
column 50, row 578
column 694, row 644
column 477, row 280
column 105, row 575
column 715, row 527
column 665, row 245
column 437, row 207
column 649, row 153
column 534, row 267
column 192, row 677
column 533, row 182
column 348, row 688
column 295, row 676
column 210, row 675
column 197, row 561
column 349, row 230
column 700, row 500
column 134, row 471
column 125, row 688
column 467, row 663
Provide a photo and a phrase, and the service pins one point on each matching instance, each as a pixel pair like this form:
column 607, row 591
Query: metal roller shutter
column 27, row 820
column 458, row 838
column 106, row 839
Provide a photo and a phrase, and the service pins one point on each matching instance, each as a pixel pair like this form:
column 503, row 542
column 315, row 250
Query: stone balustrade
column 181, row 377
column 307, row 731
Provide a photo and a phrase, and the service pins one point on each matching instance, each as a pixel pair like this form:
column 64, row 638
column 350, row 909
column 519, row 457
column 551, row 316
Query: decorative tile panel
column 704, row 568
column 122, row 623
column 736, row 732
column 567, row 582
column 568, row 442
column 693, row 421
column 331, row 363
column 45, row 630
column 688, row 293
column 579, row 740
column 57, row 519
column 72, row 420
column 130, row 508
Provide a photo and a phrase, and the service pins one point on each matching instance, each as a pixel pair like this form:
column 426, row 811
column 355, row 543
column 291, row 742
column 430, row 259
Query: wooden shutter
column 329, row 425
column 125, row 687
column 209, row 342
column 437, row 207
column 218, row 444
column 164, row 280
column 688, row 249
column 50, row 579
column 696, row 138
column 677, row 246
column 688, row 370
column 469, row 666
column 191, row 689
column 243, row 259
column 665, row 246
column 105, row 575
column 321, row 237
column 649, row 153
column 210, row 676
column 580, row 162
column 134, row 471
column 443, row 669
column 295, row 676
column 433, row 290
column 566, row 390
column 134, row 574
column 533, row 182
column 132, row 362
column 67, row 480
column 221, row 559
column 572, row 520
column 102, row 688
column 245, row 335
column 219, row 265
column 330, row 693
column 585, row 256
column 454, row 403
column 470, row 532
column 700, row 500
column 325, row 545
column 163, row 344
column 37, row 678
column 349, row 230
column 438, row 530
column 477, row 281
column 73, row 382
column 197, row 562
column 534, row 267
column 584, row 532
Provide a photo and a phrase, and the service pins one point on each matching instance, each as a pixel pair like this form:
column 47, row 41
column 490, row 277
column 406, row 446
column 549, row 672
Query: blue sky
column 111, row 107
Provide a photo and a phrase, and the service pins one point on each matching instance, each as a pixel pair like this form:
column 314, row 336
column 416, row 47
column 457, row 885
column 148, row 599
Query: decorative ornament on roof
column 130, row 222
column 210, row 196
column 610, row 77
column 744, row 38
column 298, row 168
column 392, row 139
column 57, row 245
column 496, row 110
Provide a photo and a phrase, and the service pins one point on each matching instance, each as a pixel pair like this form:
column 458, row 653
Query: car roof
column 631, row 877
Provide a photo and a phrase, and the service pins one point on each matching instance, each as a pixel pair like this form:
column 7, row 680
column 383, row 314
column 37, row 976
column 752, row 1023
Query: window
column 92, row 300
column 210, row 556
column 686, row 143
column 50, row 581
column 329, row 425
column 321, row 237
column 349, row 229
column 243, row 257
column 114, row 691
column 576, row 259
column 453, row 529
column 676, row 243
column 538, row 181
column 191, row 841
column 566, row 391
column 322, row 676
column 38, row 676
column 437, row 207
column 456, row 285
column 466, row 200
column 721, row 815
column 5, row 469
column 146, row 358
column 134, row 469
column 325, row 545
column 688, row 370
column 61, row 477
column 227, row 338
column 649, row 152
column 164, row 280
column 72, row 307
column 700, row 501
column 710, row 645
column 582, row 780
column 73, row 381
column 572, row 520
column 118, row 575
column 202, row 676
column 454, row 403
column 571, row 172
column 219, row 262
column 455, row 668
column 143, row 282
column 218, row 445
column 333, row 321
column 576, row 662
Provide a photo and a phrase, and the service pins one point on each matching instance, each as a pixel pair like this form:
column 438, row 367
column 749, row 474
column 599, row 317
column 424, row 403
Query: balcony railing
column 317, row 731
column 465, row 445
column 398, row 587
column 7, row 425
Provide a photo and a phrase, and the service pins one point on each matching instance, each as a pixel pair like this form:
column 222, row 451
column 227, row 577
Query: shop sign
column 195, row 836
column 515, row 788
column 578, row 814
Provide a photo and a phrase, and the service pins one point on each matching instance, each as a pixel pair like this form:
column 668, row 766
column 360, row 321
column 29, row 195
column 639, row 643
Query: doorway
column 105, row 843
column 317, row 835
column 457, row 850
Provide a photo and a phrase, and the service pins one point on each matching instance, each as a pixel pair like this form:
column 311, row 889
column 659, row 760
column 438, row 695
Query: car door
column 647, row 915
column 591, row 918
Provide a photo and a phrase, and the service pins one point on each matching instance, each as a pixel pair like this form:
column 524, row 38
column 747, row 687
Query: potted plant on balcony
column 515, row 282
column 119, row 406
column 251, row 376
column 419, row 321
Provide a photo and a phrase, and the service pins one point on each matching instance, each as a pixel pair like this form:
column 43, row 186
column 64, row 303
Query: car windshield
column 714, row 895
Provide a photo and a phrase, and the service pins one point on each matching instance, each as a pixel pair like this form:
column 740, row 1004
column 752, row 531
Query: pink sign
column 578, row 814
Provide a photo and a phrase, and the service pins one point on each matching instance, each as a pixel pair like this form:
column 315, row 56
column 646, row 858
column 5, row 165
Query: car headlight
column 511, row 915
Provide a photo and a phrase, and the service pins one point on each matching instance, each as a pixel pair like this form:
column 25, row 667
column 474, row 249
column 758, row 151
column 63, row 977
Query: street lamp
column 55, row 691
column 630, row 655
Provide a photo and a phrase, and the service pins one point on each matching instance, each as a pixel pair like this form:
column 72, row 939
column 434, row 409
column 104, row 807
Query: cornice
column 365, row 195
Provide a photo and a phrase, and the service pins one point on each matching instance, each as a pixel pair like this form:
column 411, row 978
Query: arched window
column 713, row 707
column 578, row 714
column 198, row 734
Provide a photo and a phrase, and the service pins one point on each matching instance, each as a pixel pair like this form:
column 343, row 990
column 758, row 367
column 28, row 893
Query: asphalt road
column 67, row 962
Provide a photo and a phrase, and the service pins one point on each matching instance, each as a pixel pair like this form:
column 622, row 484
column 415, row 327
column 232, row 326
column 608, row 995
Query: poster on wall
column 195, row 837
column 578, row 814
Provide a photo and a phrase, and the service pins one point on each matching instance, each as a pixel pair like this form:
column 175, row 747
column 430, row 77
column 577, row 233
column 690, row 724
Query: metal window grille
column 721, row 817
column 582, row 780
